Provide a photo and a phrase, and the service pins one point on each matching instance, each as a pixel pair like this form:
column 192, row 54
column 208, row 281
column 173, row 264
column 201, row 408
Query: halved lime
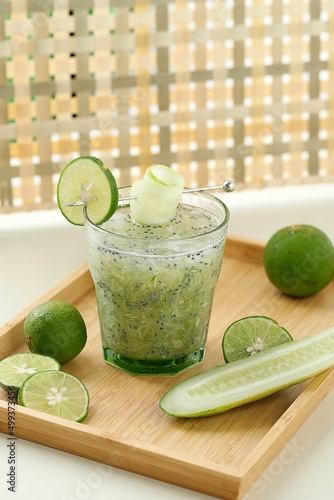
column 85, row 180
column 57, row 393
column 15, row 369
column 250, row 335
column 233, row 384
column 157, row 195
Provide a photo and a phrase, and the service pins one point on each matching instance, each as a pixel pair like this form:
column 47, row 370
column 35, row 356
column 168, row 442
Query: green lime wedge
column 234, row 384
column 15, row 369
column 85, row 181
column 250, row 335
column 56, row 393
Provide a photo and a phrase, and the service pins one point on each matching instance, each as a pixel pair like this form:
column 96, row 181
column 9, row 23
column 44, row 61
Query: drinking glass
column 155, row 284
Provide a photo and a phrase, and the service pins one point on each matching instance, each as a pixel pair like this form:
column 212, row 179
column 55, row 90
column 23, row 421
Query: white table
column 38, row 250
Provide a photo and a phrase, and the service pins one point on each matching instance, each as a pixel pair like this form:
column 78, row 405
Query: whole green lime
column 57, row 329
column 299, row 260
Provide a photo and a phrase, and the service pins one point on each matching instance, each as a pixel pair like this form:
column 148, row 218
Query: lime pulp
column 56, row 393
column 251, row 335
column 57, row 329
column 299, row 260
column 15, row 369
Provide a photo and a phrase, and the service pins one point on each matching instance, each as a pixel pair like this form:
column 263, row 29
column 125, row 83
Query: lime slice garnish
column 86, row 180
column 250, row 335
column 157, row 195
column 249, row 379
column 15, row 369
column 57, row 393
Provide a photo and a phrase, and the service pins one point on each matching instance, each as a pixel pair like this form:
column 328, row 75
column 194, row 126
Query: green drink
column 155, row 284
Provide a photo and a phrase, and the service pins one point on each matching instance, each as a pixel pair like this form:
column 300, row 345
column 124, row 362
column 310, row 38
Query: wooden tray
column 220, row 455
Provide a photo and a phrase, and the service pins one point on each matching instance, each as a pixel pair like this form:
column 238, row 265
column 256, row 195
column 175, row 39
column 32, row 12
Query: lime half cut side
column 251, row 335
column 15, row 369
column 234, row 384
column 85, row 181
column 56, row 393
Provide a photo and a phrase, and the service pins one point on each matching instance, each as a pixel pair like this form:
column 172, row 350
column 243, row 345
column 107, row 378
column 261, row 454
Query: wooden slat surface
column 214, row 88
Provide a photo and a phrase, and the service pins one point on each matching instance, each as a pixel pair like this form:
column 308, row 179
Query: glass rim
column 207, row 196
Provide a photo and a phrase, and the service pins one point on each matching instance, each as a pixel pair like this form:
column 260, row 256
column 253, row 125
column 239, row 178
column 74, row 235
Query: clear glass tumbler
column 155, row 284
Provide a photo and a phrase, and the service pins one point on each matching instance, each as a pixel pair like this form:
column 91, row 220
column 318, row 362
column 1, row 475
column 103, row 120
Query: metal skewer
column 227, row 186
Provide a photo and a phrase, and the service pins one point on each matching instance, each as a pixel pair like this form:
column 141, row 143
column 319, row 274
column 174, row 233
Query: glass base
column 151, row 367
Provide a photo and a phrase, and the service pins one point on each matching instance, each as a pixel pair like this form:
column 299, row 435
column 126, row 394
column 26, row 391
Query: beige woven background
column 216, row 89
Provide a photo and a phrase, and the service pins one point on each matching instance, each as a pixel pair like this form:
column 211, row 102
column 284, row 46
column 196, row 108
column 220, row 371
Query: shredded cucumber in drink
column 154, row 262
column 155, row 285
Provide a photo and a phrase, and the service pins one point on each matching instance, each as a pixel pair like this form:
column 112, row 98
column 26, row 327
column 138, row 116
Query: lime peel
column 299, row 260
column 234, row 384
column 15, row 369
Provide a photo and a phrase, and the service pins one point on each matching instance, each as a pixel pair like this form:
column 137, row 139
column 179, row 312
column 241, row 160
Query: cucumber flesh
column 164, row 175
column 234, row 384
column 157, row 195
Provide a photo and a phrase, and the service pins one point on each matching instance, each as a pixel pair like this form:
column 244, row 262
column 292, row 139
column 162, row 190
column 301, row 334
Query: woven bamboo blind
column 216, row 89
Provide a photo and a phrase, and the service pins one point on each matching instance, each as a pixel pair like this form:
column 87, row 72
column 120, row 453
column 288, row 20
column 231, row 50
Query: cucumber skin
column 255, row 396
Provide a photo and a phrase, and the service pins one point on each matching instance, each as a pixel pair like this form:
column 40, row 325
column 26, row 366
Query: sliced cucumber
column 157, row 195
column 227, row 386
column 164, row 175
